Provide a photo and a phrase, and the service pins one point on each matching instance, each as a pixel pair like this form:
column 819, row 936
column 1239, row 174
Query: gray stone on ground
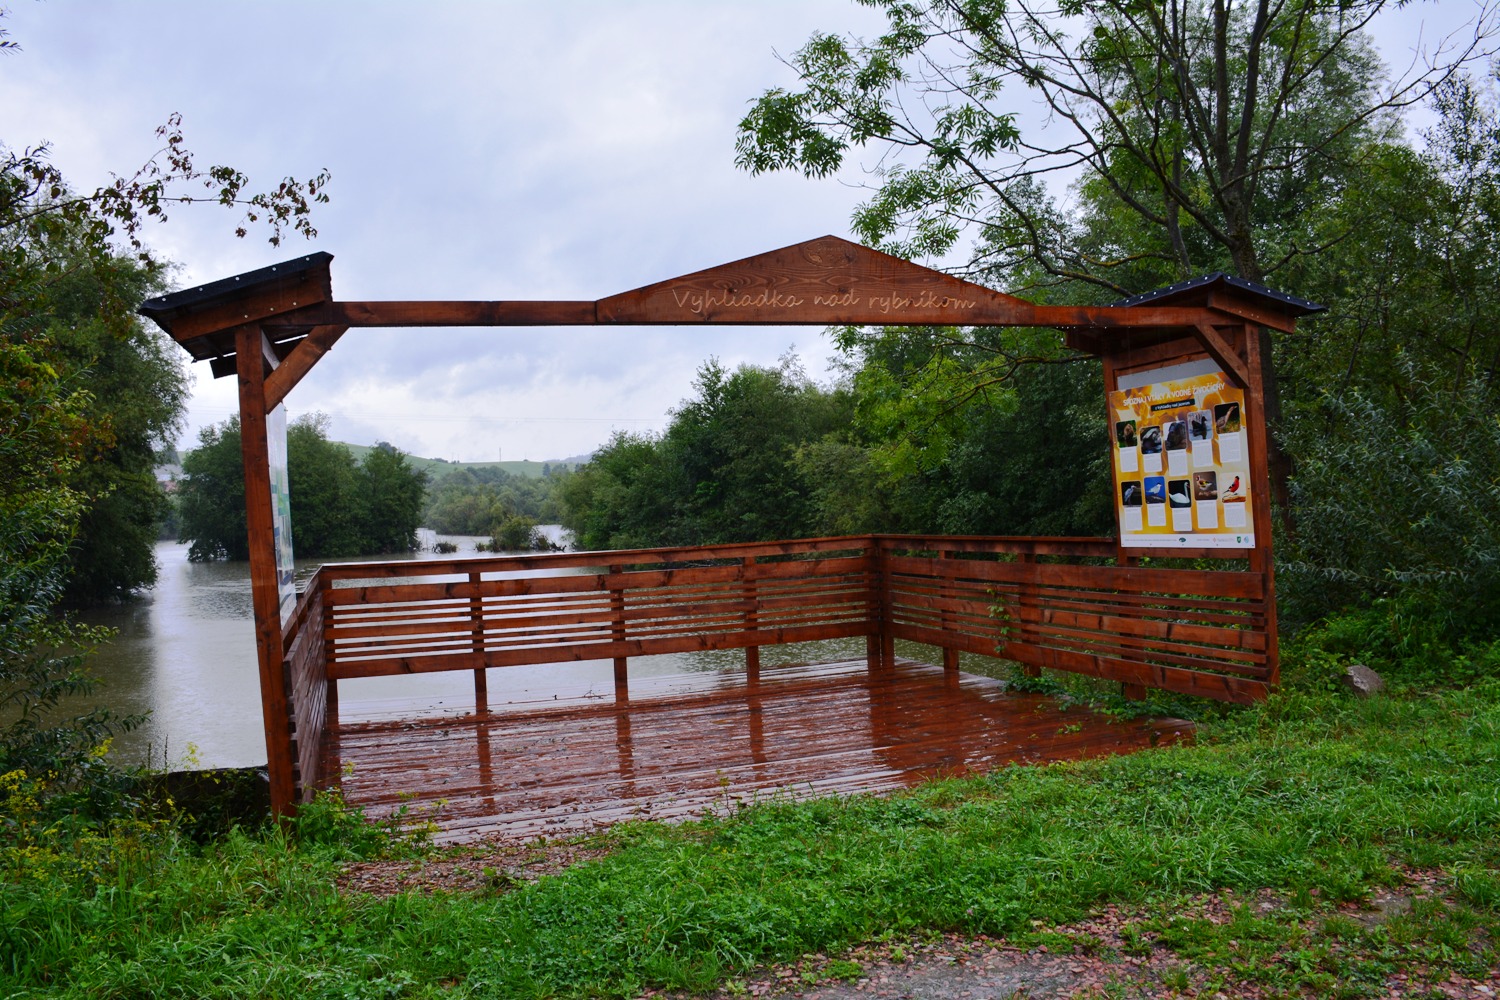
column 1362, row 680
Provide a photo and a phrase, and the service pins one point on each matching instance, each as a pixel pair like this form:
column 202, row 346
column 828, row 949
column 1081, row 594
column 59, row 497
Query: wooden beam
column 1223, row 354
column 1253, row 308
column 419, row 314
column 299, row 362
column 265, row 594
column 576, row 313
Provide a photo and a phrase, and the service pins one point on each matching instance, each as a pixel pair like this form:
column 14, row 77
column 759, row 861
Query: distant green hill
column 438, row 467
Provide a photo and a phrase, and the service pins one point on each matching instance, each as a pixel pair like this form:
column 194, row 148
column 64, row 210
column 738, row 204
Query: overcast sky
column 568, row 150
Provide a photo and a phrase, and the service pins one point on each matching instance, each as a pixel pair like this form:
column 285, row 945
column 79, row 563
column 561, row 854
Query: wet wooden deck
column 685, row 744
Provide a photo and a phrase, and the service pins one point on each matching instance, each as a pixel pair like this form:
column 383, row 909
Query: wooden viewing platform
column 685, row 744
column 1182, row 373
column 668, row 746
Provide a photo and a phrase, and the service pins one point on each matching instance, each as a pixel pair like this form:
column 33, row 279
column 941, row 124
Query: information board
column 281, row 510
column 1182, row 472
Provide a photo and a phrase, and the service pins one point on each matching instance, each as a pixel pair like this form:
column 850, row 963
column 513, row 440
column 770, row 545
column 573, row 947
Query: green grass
column 1315, row 796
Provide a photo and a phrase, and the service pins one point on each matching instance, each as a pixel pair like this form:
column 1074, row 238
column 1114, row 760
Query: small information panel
column 281, row 510
column 1182, row 473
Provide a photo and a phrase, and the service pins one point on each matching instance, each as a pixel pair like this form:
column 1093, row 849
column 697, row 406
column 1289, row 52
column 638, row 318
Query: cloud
column 479, row 151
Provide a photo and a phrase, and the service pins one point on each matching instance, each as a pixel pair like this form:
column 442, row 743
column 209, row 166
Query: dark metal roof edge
column 1219, row 277
column 164, row 305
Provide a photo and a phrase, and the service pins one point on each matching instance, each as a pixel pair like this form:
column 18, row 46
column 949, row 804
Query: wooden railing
column 399, row 618
column 305, row 663
column 1058, row 603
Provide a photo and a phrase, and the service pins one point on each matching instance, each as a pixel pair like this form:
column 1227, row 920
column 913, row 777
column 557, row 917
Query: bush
column 1401, row 637
column 1397, row 503
column 518, row 534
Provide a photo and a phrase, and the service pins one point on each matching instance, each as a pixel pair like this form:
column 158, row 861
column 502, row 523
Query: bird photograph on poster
column 1227, row 418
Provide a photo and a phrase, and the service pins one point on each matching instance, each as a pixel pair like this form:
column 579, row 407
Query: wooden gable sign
column 827, row 280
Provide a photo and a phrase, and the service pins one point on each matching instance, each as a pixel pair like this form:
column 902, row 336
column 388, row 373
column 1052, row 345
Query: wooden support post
column 872, row 606
column 617, row 633
column 331, row 698
column 945, row 594
column 1262, row 558
column 878, row 606
column 752, row 621
column 251, row 350
column 476, row 619
column 887, row 636
column 1024, row 601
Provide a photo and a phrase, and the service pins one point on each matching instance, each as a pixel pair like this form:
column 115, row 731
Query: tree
column 211, row 497
column 474, row 501
column 1420, row 283
column 1206, row 134
column 725, row 470
column 1209, row 122
column 1418, row 526
column 339, row 508
column 518, row 534
column 394, row 495
column 730, row 448
column 1392, row 405
column 327, row 501
column 610, row 502
column 56, row 243
column 137, row 393
column 44, row 435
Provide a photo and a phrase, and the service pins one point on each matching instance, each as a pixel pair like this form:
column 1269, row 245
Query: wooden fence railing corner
column 1055, row 603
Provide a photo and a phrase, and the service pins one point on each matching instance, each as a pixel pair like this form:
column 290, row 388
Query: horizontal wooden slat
column 802, row 549
column 1209, row 583
column 1241, row 690
column 1178, row 605
column 634, row 581
column 1002, row 545
column 1177, row 631
column 698, row 633
column 391, row 666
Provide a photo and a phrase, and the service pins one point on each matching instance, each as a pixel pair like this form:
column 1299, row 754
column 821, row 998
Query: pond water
column 185, row 653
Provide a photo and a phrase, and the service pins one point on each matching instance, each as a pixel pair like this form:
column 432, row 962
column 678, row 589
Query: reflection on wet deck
column 682, row 744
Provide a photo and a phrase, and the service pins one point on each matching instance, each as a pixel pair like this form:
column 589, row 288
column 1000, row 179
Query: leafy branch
column 34, row 189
